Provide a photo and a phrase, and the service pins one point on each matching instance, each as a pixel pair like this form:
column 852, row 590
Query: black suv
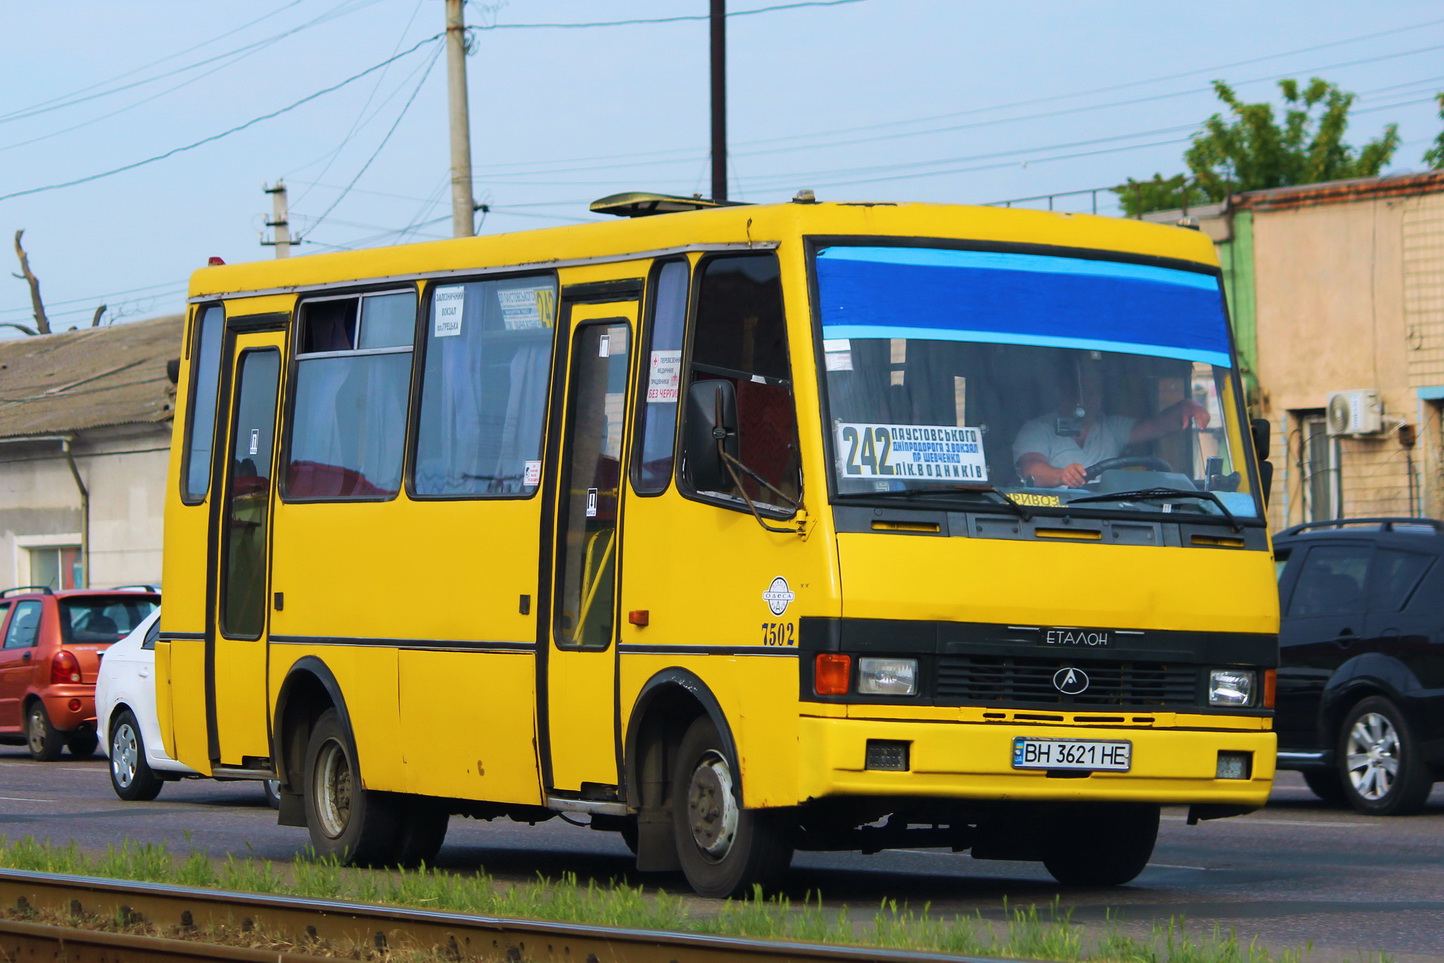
column 1360, row 706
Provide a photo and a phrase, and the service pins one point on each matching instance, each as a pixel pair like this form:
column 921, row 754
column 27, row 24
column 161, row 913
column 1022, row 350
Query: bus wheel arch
column 309, row 691
column 668, row 703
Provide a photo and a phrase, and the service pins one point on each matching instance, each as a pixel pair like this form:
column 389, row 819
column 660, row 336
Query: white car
column 127, row 722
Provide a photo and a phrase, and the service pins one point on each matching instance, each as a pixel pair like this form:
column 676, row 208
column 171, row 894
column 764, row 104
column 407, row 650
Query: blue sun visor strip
column 999, row 298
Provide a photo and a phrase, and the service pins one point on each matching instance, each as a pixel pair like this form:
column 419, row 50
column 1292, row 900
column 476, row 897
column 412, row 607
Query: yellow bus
column 736, row 530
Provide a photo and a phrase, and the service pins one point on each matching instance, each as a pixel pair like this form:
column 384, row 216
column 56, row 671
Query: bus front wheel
column 1102, row 844
column 724, row 849
column 355, row 825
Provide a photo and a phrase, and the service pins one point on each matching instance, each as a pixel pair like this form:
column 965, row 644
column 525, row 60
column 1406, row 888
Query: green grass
column 1031, row 932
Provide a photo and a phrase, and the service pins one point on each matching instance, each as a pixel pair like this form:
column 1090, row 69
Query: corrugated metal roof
column 88, row 378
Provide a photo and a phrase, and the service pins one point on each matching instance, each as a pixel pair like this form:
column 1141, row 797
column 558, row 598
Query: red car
column 51, row 644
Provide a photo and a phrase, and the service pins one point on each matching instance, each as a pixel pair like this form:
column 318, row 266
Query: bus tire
column 1102, row 844
column 724, row 849
column 424, row 822
column 346, row 821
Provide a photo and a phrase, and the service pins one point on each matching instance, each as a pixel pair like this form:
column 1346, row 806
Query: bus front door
column 236, row 700
column 580, row 730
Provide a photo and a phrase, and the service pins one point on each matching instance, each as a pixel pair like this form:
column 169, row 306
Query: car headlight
column 895, row 677
column 1231, row 687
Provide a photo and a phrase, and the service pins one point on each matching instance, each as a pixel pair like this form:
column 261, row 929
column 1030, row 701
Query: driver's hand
column 1074, row 475
column 1194, row 414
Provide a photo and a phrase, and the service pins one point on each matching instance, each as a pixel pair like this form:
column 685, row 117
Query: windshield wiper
column 1148, row 494
column 918, row 493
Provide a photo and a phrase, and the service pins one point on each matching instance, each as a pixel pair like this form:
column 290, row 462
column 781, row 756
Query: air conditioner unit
column 1356, row 412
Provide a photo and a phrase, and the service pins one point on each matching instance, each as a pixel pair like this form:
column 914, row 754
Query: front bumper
column 973, row 761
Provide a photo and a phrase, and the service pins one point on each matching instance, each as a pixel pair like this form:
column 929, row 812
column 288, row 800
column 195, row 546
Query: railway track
column 185, row 917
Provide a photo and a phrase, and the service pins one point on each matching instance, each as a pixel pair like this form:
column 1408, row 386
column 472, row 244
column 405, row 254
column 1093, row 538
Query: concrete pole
column 462, row 206
column 280, row 219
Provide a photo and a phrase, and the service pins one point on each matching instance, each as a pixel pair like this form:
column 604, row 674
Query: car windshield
column 1044, row 378
column 103, row 618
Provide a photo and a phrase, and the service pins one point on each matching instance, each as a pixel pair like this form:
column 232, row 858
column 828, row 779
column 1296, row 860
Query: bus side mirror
column 711, row 417
column 172, row 370
column 1260, row 429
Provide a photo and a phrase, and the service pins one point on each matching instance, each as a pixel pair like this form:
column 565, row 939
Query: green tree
column 1434, row 156
column 1252, row 150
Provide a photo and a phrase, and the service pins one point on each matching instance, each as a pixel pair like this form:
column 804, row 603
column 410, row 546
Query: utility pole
column 280, row 220
column 463, row 208
column 719, row 100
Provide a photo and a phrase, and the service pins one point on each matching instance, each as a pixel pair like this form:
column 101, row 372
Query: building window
column 57, row 567
column 1319, row 463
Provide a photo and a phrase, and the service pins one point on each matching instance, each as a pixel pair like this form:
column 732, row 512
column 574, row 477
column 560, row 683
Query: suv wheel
column 1379, row 765
column 41, row 737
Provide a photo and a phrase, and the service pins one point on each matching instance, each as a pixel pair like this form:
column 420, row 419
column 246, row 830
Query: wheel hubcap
column 124, row 753
column 333, row 790
column 711, row 807
column 1372, row 752
column 36, row 730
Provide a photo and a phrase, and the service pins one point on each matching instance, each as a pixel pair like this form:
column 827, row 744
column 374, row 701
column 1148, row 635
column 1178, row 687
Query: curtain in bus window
column 350, row 423
column 1007, row 298
column 483, row 396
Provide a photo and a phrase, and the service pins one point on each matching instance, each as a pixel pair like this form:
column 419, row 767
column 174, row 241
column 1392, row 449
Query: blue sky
column 934, row 100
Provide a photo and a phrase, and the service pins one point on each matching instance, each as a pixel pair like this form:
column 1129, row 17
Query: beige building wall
column 1346, row 292
column 123, row 470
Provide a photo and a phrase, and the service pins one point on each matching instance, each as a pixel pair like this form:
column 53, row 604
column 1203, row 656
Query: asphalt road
column 1296, row 873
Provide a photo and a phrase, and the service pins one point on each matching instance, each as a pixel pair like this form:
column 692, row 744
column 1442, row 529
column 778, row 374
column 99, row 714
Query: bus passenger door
column 579, row 738
column 236, row 696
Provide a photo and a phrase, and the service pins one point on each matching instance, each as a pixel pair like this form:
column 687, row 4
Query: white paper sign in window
column 664, row 376
column 911, row 452
column 524, row 308
column 446, row 311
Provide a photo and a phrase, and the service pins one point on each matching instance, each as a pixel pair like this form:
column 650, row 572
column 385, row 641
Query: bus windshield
column 1102, row 385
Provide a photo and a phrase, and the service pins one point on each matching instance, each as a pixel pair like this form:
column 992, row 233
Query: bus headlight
column 1230, row 687
column 894, row 677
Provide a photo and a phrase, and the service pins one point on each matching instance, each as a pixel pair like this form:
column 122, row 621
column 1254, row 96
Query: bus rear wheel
column 1102, row 844
column 724, row 849
column 355, row 825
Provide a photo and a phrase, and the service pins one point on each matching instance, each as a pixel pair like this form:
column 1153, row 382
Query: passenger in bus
column 1056, row 450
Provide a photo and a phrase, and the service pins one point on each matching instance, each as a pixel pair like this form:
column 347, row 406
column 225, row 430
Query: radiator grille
column 1010, row 680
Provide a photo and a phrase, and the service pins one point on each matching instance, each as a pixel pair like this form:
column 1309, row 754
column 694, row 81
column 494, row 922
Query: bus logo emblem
column 1070, row 681
column 778, row 595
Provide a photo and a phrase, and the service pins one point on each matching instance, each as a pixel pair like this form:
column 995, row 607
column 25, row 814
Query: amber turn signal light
column 831, row 673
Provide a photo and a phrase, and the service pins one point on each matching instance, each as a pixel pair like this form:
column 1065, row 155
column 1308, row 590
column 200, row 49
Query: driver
column 1055, row 450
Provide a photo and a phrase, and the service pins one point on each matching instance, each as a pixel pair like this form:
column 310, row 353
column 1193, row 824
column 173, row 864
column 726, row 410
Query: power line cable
column 361, row 119
column 381, row 146
column 653, row 20
column 226, row 133
column 35, row 108
column 247, row 49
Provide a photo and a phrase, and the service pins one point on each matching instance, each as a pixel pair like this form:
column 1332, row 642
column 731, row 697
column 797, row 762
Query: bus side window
column 205, row 380
column 741, row 337
column 652, row 464
column 484, row 381
column 353, row 383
